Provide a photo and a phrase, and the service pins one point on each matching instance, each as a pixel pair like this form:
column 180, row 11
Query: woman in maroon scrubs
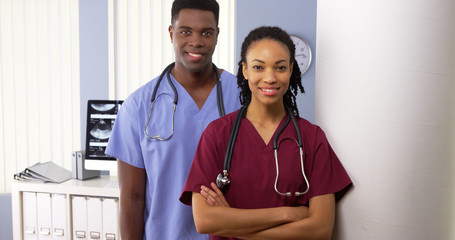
column 255, row 204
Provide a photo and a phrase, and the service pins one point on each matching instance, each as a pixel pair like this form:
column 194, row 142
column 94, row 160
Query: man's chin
column 197, row 67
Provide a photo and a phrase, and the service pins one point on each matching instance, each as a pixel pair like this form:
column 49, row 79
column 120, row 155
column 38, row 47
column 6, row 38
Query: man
column 152, row 170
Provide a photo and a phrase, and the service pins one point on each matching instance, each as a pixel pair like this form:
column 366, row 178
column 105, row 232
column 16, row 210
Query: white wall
column 385, row 96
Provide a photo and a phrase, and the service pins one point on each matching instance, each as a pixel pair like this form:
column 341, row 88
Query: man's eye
column 207, row 34
column 185, row 32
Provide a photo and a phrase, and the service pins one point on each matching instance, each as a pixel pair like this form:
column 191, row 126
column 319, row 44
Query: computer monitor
column 101, row 115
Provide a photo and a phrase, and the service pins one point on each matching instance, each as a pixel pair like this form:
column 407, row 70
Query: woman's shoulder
column 310, row 129
column 307, row 124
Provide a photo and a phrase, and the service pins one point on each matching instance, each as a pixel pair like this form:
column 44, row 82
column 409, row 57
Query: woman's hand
column 214, row 197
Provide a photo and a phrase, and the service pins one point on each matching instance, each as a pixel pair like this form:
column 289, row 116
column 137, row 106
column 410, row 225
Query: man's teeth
column 195, row 54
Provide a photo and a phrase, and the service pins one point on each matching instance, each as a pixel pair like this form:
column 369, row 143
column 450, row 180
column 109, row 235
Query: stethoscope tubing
column 167, row 71
column 223, row 180
column 233, row 137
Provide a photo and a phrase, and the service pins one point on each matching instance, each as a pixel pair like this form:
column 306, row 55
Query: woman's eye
column 257, row 67
column 281, row 68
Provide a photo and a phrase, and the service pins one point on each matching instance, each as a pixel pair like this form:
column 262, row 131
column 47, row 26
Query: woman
column 268, row 197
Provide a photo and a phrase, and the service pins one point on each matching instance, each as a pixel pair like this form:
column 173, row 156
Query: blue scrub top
column 167, row 163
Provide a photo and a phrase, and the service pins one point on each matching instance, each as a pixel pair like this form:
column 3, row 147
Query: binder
column 59, row 216
column 94, row 218
column 78, row 167
column 110, row 219
column 50, row 171
column 29, row 216
column 24, row 176
column 74, row 164
column 83, row 173
column 44, row 172
column 79, row 217
column 44, row 216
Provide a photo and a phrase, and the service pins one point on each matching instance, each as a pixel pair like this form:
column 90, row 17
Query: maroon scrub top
column 253, row 170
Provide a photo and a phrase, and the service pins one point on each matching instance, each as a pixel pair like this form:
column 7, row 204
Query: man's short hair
column 207, row 5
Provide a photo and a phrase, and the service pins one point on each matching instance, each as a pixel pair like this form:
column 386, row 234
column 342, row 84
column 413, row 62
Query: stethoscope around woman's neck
column 222, row 179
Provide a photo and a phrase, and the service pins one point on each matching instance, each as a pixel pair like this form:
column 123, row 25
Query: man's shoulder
column 225, row 121
column 231, row 89
column 140, row 97
column 228, row 77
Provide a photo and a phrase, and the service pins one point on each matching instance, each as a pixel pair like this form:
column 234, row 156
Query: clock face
column 302, row 53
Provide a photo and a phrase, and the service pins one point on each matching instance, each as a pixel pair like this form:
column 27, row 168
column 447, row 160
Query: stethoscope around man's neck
column 222, row 179
column 167, row 71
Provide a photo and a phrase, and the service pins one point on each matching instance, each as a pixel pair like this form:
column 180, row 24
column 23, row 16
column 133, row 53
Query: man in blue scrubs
column 152, row 172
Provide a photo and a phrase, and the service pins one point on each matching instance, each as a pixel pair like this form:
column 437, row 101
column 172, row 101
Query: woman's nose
column 269, row 76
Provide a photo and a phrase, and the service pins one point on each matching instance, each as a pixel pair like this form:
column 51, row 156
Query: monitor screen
column 101, row 116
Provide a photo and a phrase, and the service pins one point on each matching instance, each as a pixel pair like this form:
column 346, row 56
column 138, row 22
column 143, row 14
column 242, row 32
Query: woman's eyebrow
column 277, row 62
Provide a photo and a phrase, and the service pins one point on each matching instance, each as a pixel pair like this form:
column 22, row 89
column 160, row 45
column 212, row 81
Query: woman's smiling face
column 268, row 70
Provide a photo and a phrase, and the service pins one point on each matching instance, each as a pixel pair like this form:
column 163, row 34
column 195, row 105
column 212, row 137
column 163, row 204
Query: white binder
column 44, row 216
column 110, row 219
column 59, row 215
column 79, row 210
column 94, row 218
column 29, row 216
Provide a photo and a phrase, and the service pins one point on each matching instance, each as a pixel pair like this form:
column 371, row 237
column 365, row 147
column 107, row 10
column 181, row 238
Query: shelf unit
column 100, row 187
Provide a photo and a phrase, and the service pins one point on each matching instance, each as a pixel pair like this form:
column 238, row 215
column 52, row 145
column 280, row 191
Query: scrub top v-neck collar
column 187, row 102
column 252, row 131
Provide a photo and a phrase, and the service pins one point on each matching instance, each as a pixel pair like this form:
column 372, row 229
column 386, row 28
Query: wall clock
column 302, row 53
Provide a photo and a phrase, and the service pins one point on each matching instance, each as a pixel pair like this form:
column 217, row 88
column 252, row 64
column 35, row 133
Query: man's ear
column 217, row 34
column 171, row 34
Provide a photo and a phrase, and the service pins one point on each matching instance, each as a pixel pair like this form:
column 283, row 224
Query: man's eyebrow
column 183, row 27
column 204, row 29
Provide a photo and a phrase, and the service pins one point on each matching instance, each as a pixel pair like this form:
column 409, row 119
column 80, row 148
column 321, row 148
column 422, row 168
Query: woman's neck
column 265, row 113
column 265, row 119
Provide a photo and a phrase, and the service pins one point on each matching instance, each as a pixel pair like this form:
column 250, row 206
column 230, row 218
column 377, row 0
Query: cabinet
column 75, row 209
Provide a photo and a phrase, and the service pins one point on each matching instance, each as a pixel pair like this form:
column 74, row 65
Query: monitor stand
column 102, row 165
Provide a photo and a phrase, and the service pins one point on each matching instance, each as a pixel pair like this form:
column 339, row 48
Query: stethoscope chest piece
column 222, row 180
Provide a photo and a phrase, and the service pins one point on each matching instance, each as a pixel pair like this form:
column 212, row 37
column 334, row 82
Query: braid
column 295, row 82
